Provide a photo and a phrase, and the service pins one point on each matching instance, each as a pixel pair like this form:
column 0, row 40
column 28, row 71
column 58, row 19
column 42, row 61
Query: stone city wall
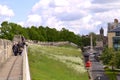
column 51, row 43
column 5, row 50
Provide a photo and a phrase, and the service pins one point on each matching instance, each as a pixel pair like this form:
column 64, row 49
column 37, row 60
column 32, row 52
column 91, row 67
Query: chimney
column 116, row 21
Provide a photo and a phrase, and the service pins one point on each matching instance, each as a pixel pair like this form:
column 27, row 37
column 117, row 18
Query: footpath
column 97, row 70
column 118, row 76
column 12, row 68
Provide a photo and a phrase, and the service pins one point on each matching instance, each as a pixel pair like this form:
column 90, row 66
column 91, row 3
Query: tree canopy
column 41, row 33
column 111, row 57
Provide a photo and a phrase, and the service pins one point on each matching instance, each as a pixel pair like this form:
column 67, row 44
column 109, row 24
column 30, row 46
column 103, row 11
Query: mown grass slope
column 56, row 63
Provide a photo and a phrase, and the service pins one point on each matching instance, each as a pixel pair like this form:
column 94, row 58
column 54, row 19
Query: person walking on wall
column 15, row 49
column 20, row 48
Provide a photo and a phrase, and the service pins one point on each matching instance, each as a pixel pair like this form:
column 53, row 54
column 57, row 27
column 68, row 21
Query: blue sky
column 79, row 16
column 21, row 8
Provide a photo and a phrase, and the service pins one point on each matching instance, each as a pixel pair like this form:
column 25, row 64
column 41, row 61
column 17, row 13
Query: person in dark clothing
column 23, row 39
column 15, row 49
column 20, row 48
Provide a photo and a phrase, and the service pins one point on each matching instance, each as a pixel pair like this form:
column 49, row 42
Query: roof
column 117, row 29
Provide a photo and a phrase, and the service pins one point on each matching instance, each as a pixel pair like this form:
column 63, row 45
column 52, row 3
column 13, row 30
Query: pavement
column 11, row 69
column 118, row 77
column 97, row 70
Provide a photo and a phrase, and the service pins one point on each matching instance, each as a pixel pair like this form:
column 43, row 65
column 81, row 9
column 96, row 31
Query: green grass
column 42, row 67
column 111, row 73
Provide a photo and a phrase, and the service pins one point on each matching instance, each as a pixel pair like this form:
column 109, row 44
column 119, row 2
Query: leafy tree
column 43, row 33
column 106, row 56
column 117, row 59
column 25, row 33
column 109, row 57
column 63, row 34
column 5, row 30
column 33, row 34
column 52, row 34
column 85, row 41
column 8, row 30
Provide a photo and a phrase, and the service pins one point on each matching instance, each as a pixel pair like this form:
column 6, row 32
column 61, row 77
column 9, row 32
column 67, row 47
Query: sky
column 78, row 16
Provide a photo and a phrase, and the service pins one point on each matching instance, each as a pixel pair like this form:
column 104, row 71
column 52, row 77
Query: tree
column 5, row 31
column 33, row 34
column 85, row 41
column 109, row 57
column 66, row 35
column 52, row 34
column 117, row 59
column 9, row 29
column 42, row 33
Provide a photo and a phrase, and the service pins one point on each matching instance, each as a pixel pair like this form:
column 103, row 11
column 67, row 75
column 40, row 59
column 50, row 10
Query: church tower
column 102, row 31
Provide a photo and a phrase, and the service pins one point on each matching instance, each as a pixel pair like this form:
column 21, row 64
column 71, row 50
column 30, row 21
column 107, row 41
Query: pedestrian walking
column 20, row 48
column 15, row 49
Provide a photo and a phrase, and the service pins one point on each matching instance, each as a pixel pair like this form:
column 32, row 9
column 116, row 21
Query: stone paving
column 11, row 69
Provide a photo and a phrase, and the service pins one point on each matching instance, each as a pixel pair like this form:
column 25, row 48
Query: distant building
column 101, row 40
column 99, row 43
column 101, row 32
column 114, row 34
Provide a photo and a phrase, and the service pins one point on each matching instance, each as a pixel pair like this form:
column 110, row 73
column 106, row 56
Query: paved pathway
column 97, row 70
column 12, row 69
column 118, row 76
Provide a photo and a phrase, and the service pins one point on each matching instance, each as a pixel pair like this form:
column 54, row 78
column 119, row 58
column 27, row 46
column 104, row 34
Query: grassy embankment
column 112, row 73
column 56, row 63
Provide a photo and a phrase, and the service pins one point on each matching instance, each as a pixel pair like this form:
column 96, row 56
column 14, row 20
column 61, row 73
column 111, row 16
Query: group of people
column 18, row 48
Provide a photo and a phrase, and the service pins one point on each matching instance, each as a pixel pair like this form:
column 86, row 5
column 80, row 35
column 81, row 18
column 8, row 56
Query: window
column 117, row 33
column 116, row 43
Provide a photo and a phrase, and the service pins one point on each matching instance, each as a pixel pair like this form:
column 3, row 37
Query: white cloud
column 107, row 16
column 80, row 16
column 105, row 1
column 5, row 11
column 34, row 19
column 21, row 23
column 41, row 4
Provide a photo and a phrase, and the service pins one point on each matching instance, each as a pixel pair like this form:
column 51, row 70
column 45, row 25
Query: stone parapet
column 26, row 70
column 5, row 50
column 51, row 43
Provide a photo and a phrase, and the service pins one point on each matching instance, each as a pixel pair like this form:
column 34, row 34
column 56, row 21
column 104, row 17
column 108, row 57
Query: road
column 97, row 70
